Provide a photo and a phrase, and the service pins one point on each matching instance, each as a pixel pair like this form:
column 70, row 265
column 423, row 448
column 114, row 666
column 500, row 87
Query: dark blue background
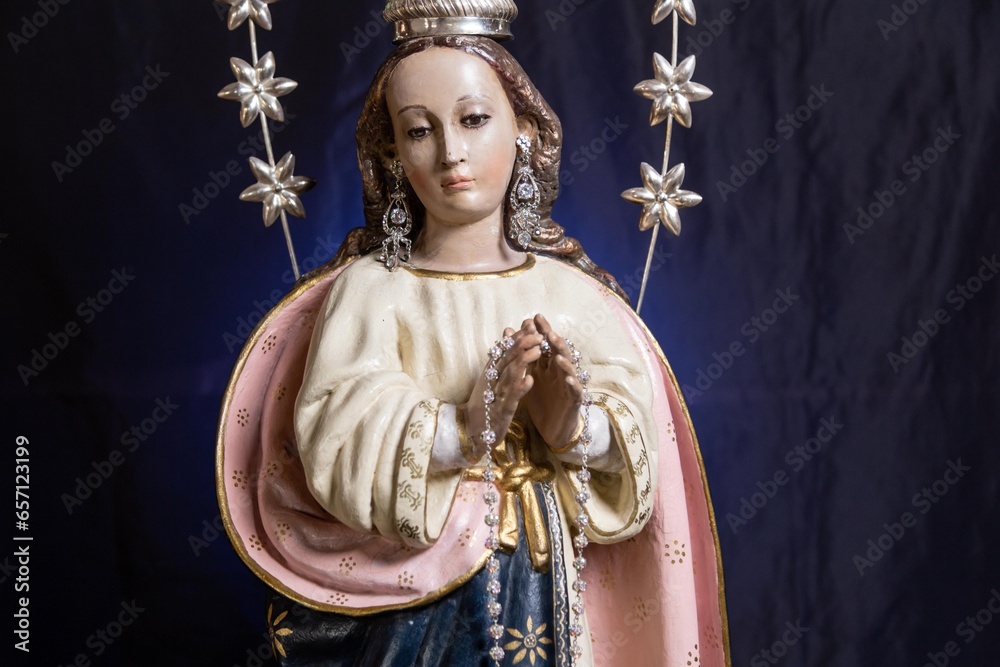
column 169, row 334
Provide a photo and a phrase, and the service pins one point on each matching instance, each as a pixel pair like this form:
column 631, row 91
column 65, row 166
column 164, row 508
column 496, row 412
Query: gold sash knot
column 515, row 478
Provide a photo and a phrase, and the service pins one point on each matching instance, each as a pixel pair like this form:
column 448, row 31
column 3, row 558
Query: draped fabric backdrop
column 831, row 308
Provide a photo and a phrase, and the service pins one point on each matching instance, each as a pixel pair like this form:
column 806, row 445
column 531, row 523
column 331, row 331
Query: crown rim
column 498, row 29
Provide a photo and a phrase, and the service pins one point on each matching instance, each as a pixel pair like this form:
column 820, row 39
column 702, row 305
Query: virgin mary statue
column 418, row 443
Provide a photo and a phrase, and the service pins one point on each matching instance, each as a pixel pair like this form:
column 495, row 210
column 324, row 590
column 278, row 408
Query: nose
column 453, row 151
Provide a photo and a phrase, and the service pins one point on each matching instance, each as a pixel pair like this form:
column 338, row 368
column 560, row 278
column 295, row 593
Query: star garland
column 672, row 93
column 257, row 90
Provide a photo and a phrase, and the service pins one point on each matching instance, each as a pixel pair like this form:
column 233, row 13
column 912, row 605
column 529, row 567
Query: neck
column 478, row 247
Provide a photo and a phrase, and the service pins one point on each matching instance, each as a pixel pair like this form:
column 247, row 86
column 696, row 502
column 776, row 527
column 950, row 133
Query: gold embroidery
column 643, row 610
column 276, row 633
column 409, row 460
column 607, row 579
column 711, row 636
column 528, row 644
column 347, row 565
column 405, row 581
column 255, row 543
column 269, row 343
column 529, row 262
column 407, row 492
column 282, row 532
column 677, row 553
column 407, row 529
column 243, row 417
column 240, row 479
column 280, row 391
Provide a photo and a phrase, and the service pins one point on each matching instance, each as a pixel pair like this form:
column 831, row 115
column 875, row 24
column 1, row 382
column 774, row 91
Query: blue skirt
column 450, row 632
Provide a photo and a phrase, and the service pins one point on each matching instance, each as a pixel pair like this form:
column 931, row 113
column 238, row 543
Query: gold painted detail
column 643, row 610
column 529, row 643
column 676, row 552
column 529, row 263
column 515, row 479
column 693, row 656
column 409, row 460
column 275, row 632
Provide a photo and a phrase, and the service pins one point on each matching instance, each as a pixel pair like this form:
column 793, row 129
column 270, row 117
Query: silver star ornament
column 277, row 188
column 684, row 8
column 257, row 90
column 256, row 10
column 672, row 91
column 661, row 198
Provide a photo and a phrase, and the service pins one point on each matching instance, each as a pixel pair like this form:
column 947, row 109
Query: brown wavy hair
column 375, row 135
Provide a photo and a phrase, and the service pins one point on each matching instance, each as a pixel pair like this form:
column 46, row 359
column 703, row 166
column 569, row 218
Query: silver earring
column 525, row 197
column 396, row 223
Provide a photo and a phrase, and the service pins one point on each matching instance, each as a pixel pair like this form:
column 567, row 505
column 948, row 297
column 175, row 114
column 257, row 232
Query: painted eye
column 418, row 133
column 475, row 120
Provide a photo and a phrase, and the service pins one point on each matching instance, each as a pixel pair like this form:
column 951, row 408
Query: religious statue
column 456, row 444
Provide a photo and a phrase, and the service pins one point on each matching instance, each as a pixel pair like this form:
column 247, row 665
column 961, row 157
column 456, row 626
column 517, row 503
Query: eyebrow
column 421, row 107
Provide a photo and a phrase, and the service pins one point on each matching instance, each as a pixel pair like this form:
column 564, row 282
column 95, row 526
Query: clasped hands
column 546, row 379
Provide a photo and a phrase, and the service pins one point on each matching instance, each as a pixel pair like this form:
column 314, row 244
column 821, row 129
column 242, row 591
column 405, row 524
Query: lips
column 456, row 182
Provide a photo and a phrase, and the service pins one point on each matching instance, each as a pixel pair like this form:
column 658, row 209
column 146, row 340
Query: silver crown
column 424, row 18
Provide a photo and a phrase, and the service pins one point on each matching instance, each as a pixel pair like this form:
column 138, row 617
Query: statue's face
column 455, row 134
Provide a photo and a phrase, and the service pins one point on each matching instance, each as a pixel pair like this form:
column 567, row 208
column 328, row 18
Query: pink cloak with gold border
column 662, row 605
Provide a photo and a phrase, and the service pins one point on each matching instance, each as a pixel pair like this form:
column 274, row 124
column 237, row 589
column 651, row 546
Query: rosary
column 492, row 519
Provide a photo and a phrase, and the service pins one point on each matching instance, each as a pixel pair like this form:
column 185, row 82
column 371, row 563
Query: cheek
column 421, row 179
column 498, row 160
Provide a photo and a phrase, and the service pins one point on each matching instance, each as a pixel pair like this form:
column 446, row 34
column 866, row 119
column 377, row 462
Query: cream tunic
column 390, row 349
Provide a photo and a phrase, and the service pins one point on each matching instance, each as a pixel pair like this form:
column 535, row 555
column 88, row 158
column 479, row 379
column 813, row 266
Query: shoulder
column 363, row 285
column 563, row 276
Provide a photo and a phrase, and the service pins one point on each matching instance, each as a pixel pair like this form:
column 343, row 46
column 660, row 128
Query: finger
column 542, row 324
column 576, row 389
column 524, row 341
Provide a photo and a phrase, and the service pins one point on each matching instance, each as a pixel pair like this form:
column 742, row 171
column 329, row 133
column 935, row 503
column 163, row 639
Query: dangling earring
column 524, row 198
column 396, row 223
